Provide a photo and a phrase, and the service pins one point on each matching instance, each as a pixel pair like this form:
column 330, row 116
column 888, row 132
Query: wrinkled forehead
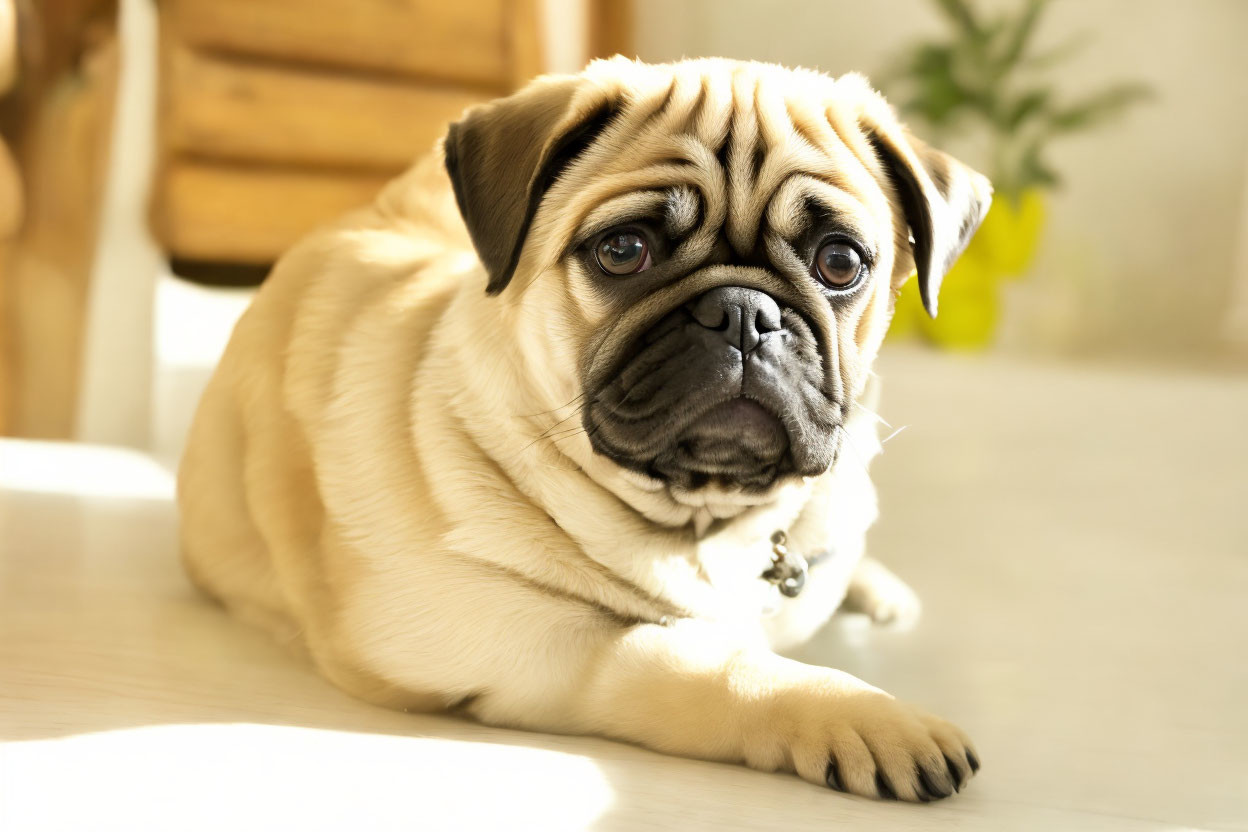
column 751, row 145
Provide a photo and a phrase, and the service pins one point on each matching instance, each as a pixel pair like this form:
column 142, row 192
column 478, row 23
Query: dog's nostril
column 768, row 318
column 741, row 316
column 710, row 314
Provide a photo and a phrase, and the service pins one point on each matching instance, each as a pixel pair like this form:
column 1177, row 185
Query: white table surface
column 1079, row 537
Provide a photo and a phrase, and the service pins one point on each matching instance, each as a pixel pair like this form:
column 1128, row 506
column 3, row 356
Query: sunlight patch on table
column 82, row 471
column 247, row 776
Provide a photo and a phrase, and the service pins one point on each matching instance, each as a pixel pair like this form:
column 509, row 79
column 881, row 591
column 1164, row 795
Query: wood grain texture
column 611, row 28
column 8, row 45
column 8, row 361
column 524, row 42
column 456, row 41
column 61, row 150
column 231, row 109
column 210, row 211
column 277, row 115
column 12, row 205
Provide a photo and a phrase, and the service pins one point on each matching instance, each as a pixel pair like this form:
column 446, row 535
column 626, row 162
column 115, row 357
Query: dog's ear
column 944, row 201
column 502, row 157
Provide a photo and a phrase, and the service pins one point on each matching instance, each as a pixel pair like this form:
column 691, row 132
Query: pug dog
column 568, row 431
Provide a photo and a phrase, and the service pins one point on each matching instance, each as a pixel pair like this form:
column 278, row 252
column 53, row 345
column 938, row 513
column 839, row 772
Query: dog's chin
column 737, row 445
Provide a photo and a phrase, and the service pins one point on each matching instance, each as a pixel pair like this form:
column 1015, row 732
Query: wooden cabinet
column 277, row 115
column 461, row 41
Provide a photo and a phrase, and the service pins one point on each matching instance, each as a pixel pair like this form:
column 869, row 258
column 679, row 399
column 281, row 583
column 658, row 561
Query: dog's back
column 246, row 480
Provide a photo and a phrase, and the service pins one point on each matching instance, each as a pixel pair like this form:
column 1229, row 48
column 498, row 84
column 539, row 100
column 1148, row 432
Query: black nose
column 741, row 316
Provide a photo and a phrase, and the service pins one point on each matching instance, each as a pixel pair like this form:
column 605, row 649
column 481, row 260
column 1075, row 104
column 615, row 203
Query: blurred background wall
column 1142, row 250
column 163, row 154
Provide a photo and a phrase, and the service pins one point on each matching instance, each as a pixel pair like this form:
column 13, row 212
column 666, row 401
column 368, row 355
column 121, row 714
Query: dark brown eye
column 622, row 251
column 838, row 265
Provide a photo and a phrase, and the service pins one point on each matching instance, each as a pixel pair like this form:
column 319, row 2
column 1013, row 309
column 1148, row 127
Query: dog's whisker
column 575, row 412
column 557, row 435
column 872, row 414
column 847, row 442
column 566, row 434
column 546, row 433
column 575, row 398
column 893, row 434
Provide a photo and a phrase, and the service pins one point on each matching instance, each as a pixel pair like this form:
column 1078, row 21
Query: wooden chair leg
column 58, row 121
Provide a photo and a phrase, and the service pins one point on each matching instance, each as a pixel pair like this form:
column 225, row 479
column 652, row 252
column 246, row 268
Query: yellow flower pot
column 1003, row 247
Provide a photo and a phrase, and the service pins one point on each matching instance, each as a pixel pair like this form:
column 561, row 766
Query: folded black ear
column 502, row 157
column 944, row 200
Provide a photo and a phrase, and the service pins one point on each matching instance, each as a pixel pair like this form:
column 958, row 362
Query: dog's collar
column 788, row 569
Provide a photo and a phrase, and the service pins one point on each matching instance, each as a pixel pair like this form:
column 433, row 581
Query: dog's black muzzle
column 726, row 388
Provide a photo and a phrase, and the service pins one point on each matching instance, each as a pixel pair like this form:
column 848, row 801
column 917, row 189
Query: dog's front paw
column 881, row 595
column 880, row 747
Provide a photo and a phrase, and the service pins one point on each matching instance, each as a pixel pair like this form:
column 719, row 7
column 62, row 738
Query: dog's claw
column 955, row 774
column 929, row 785
column 834, row 776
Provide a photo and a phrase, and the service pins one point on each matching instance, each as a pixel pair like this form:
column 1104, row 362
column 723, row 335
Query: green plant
column 985, row 76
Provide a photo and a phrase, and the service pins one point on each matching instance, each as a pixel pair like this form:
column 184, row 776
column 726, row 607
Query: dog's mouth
column 737, row 441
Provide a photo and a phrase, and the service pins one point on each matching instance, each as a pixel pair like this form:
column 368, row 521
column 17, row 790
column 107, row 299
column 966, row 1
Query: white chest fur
column 829, row 529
